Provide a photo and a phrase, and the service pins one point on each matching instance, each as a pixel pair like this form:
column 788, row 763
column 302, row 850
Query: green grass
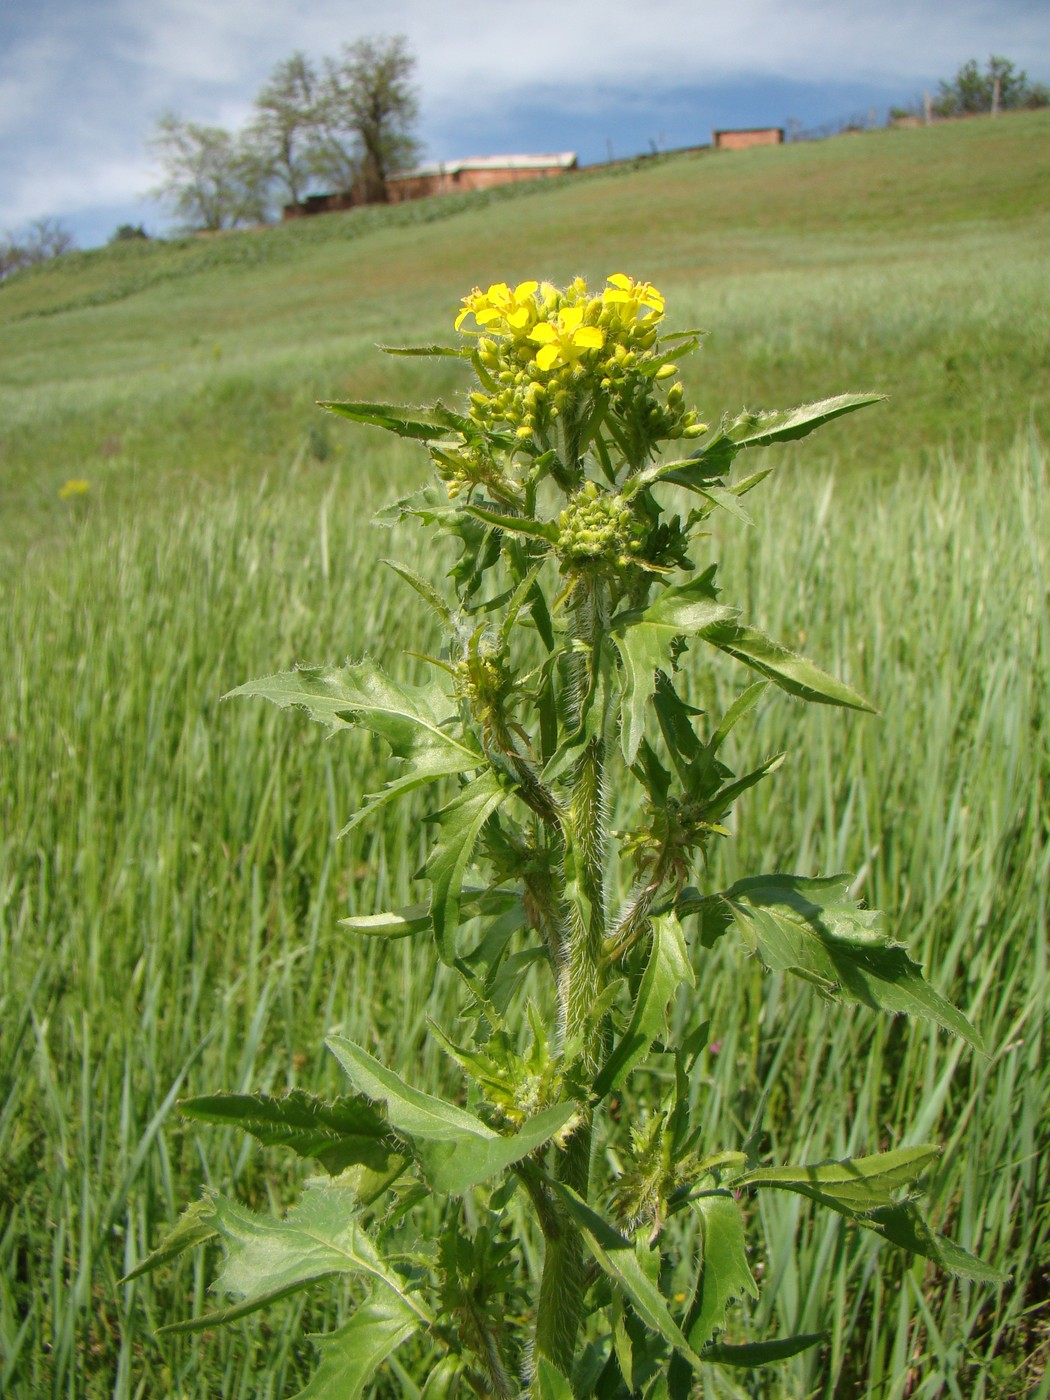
column 169, row 882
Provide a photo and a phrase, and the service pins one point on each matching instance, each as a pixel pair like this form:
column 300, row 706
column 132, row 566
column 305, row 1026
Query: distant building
column 477, row 173
column 445, row 177
column 744, row 137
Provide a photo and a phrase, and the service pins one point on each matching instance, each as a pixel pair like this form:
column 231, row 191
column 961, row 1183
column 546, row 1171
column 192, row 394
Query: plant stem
column 562, row 1282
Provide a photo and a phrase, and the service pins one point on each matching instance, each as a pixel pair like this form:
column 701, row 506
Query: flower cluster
column 598, row 531
column 545, row 353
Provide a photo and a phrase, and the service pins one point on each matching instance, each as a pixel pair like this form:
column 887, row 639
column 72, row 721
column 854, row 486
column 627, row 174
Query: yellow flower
column 632, row 296
column 514, row 308
column 75, row 487
column 563, row 340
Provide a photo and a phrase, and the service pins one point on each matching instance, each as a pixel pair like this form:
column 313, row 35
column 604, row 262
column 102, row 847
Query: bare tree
column 367, row 110
column 286, row 124
column 212, row 180
column 39, row 242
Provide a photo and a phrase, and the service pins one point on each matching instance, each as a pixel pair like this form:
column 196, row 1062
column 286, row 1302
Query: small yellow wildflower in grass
column 76, row 486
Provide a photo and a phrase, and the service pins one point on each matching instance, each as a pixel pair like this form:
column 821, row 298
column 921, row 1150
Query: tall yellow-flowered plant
column 575, row 484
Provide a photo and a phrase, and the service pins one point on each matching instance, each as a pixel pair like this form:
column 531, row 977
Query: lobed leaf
column 342, row 1133
column 424, row 425
column 643, row 638
column 725, row 1274
column 268, row 1259
column 456, row 1149
column 194, row 1226
column 351, row 1355
column 811, row 928
column 668, row 967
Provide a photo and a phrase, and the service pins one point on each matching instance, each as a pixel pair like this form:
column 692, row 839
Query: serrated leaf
column 760, row 430
column 456, row 351
column 514, row 524
column 413, row 719
column 424, row 425
column 268, row 1259
column 751, row 1354
column 784, row 668
column 194, row 1226
column 616, row 1256
column 725, row 1274
column 456, row 1149
column 812, row 929
column 460, row 825
column 853, row 1186
column 423, row 587
column 903, row 1224
column 342, row 1133
column 351, row 1355
column 643, row 638
column 549, row 1383
column 668, row 967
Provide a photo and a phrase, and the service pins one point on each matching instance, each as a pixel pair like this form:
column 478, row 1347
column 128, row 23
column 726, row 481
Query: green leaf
column 416, row 918
column 853, row 1186
column 458, row 352
column 549, row 1383
column 411, row 718
column 811, row 928
column 784, row 668
column 668, row 967
column 456, row 1149
column 514, row 524
column 195, row 1225
column 751, row 1354
column 643, row 638
column 903, row 1224
column 724, row 1271
column 422, row 424
column 339, row 1134
column 350, row 1356
column 760, row 430
column 426, row 590
column 268, row 1259
column 616, row 1256
column 460, row 825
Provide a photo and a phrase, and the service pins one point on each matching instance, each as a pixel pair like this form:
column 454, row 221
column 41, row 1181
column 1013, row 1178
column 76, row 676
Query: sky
column 83, row 82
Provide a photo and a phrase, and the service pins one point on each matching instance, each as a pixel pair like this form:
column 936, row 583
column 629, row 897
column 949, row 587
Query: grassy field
column 169, row 882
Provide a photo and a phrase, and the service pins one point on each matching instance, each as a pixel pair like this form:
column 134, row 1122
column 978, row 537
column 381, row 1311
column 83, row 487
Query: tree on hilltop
column 1000, row 87
column 41, row 241
column 286, row 125
column 367, row 109
column 212, row 180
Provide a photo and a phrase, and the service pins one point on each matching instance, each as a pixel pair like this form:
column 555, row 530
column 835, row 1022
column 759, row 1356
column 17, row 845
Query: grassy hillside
column 169, row 882
column 910, row 261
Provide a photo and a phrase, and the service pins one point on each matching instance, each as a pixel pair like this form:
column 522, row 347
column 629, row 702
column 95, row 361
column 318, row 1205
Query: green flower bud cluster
column 598, row 531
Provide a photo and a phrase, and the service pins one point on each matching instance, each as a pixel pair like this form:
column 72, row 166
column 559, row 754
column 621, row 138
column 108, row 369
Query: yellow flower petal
column 543, row 334
column 484, row 317
column 518, row 318
column 588, row 338
column 618, row 279
column 570, row 318
column 547, row 356
column 524, row 289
